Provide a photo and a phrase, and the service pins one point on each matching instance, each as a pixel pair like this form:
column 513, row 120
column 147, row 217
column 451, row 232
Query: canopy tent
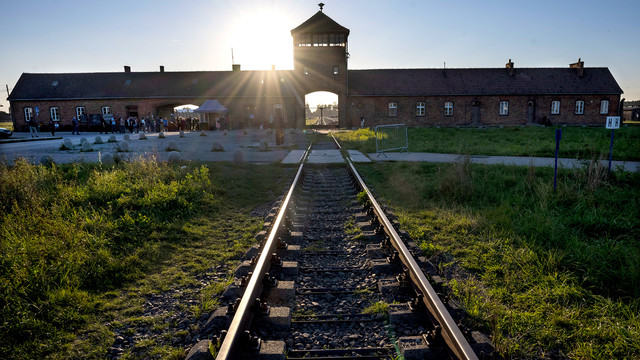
column 211, row 106
column 206, row 109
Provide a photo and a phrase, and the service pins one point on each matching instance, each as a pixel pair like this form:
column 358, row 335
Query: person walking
column 76, row 126
column 52, row 127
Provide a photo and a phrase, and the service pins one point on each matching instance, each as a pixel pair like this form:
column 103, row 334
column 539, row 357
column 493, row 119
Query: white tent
column 206, row 109
column 211, row 106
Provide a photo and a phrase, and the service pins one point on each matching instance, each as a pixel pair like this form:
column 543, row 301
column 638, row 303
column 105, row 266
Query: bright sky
column 46, row 36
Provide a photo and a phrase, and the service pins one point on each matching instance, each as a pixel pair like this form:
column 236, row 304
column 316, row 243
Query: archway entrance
column 321, row 110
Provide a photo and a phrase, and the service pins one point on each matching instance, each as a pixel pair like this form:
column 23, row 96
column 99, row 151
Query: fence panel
column 391, row 138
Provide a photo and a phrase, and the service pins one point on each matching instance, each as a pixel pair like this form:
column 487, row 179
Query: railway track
column 333, row 279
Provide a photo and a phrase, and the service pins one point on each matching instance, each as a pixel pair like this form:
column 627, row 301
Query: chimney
column 127, row 69
column 235, row 67
column 579, row 66
column 161, row 68
column 510, row 67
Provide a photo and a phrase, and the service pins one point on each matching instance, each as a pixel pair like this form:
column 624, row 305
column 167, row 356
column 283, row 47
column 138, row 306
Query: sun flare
column 262, row 38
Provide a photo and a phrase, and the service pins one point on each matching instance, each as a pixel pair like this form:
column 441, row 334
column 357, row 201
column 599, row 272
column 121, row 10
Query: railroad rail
column 360, row 291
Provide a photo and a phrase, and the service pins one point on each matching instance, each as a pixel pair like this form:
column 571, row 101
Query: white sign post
column 613, row 122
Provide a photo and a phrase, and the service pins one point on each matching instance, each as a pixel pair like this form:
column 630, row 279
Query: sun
column 262, row 38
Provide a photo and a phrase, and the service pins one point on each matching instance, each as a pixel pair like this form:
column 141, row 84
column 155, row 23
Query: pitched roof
column 389, row 82
column 150, row 85
column 487, row 81
column 320, row 23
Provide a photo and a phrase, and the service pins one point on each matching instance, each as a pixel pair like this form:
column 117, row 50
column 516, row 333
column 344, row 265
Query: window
column 335, row 70
column 579, row 107
column 55, row 113
column 504, row 108
column 420, row 108
column 555, row 107
column 80, row 111
column 28, row 114
column 106, row 110
column 604, row 107
column 448, row 108
column 393, row 109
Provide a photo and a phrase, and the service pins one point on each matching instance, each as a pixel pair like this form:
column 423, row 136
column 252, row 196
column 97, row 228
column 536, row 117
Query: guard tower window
column 393, row 109
column 106, row 110
column 579, row 107
column 604, row 107
column 555, row 107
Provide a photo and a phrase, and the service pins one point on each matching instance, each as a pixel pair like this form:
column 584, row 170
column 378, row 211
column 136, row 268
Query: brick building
column 417, row 97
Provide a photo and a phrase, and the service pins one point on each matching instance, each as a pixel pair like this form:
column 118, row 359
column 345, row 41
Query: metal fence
column 391, row 137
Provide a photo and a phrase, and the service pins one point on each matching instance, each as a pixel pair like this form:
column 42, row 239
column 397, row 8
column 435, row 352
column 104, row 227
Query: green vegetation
column 377, row 308
column 577, row 142
column 83, row 246
column 547, row 274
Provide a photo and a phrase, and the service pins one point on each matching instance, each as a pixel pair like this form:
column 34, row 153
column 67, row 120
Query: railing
column 391, row 137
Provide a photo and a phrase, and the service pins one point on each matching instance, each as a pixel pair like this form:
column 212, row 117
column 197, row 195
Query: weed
column 545, row 273
column 378, row 308
column 82, row 244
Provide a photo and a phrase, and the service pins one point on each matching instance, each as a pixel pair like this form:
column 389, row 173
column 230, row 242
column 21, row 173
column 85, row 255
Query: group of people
column 134, row 125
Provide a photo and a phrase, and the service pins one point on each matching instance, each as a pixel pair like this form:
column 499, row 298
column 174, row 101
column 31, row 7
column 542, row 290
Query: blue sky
column 103, row 36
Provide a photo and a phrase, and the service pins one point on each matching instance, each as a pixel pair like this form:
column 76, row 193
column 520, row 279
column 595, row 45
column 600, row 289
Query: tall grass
column 71, row 232
column 553, row 274
column 577, row 142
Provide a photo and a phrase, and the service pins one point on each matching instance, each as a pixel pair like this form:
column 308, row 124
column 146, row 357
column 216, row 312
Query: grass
column 577, row 142
column 547, row 274
column 83, row 246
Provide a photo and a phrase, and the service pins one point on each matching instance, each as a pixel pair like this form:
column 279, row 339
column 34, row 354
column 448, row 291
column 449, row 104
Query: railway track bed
column 332, row 280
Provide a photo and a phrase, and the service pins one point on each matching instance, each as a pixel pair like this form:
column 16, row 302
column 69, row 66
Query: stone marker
column 172, row 146
column 98, row 140
column 263, row 145
column 124, row 146
column 67, row 145
column 238, row 156
column 161, row 135
column 126, row 137
column 83, row 140
column 181, row 133
column 142, row 137
column 86, row 146
column 174, row 156
column 112, row 138
column 217, row 146
column 107, row 158
column 47, row 160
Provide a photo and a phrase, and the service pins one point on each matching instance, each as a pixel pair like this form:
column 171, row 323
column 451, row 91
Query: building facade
column 574, row 95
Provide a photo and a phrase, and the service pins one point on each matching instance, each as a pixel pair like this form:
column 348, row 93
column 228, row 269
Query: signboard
column 37, row 110
column 613, row 122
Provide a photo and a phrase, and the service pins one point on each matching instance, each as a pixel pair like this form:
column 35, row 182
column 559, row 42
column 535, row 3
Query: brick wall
column 376, row 110
column 262, row 108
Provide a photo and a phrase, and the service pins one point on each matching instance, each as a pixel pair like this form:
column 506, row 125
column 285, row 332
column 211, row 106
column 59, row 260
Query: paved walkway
column 195, row 147
column 630, row 166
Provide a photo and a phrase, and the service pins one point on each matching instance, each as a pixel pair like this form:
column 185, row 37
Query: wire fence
column 391, row 138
